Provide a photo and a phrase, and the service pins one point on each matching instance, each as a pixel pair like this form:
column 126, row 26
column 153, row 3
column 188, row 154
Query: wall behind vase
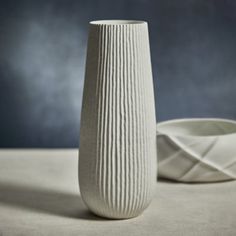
column 42, row 59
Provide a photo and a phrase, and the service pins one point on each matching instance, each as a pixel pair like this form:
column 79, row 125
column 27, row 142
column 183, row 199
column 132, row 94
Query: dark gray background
column 42, row 59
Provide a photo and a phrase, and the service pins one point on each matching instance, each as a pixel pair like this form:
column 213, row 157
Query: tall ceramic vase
column 117, row 160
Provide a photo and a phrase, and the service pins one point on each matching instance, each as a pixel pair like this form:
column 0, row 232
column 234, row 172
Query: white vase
column 197, row 150
column 117, row 161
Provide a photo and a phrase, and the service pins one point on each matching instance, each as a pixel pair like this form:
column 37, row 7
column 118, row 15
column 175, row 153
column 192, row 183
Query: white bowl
column 197, row 150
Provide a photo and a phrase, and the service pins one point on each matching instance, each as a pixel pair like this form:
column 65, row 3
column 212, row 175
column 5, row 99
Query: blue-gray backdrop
column 42, row 58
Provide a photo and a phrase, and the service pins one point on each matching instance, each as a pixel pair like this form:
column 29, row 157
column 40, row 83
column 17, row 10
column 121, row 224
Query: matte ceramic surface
column 197, row 150
column 117, row 164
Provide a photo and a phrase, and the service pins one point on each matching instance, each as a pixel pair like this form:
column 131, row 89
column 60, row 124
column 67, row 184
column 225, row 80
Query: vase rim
column 117, row 22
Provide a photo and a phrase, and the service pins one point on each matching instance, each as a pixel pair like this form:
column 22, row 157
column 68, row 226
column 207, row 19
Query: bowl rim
column 114, row 22
column 182, row 120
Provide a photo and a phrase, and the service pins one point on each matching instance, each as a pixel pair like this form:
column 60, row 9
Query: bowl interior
column 197, row 127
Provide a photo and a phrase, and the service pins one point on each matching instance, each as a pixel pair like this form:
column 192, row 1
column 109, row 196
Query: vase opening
column 117, row 22
column 197, row 127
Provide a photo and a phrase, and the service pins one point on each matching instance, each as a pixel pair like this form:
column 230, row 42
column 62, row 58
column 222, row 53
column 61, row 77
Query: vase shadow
column 45, row 201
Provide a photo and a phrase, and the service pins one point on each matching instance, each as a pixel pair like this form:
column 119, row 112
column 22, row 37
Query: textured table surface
column 39, row 195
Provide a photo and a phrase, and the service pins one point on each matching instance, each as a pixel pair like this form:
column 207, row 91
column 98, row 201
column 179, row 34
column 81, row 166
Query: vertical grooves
column 145, row 108
column 129, row 122
column 98, row 84
column 149, row 89
column 104, row 120
column 100, row 166
column 136, row 118
column 137, row 110
column 142, row 127
column 118, row 134
column 120, row 186
column 125, row 89
column 132, row 121
column 141, row 197
column 113, row 169
column 100, row 75
column 108, row 120
column 100, row 111
column 144, row 170
column 116, row 130
column 112, row 119
column 122, row 128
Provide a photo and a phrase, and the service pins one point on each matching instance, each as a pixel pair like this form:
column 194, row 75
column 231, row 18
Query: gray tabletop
column 39, row 195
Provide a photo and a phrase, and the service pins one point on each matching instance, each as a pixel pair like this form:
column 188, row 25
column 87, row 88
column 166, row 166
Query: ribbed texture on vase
column 117, row 163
